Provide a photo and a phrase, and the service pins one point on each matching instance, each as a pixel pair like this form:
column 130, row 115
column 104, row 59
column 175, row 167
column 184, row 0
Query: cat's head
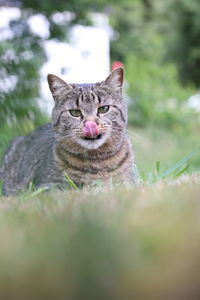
column 89, row 114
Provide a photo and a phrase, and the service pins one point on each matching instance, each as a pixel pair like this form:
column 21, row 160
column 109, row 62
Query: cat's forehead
column 88, row 89
column 88, row 92
column 88, row 96
column 85, row 87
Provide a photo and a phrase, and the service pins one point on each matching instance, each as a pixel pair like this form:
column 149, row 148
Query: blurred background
column 157, row 41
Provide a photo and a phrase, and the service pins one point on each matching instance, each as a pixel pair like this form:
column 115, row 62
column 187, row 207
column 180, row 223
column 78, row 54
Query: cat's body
column 86, row 140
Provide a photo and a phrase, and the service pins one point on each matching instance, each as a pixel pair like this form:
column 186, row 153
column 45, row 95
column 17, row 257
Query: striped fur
column 105, row 166
column 44, row 156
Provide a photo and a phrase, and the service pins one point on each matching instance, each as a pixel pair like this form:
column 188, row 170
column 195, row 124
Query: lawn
column 122, row 242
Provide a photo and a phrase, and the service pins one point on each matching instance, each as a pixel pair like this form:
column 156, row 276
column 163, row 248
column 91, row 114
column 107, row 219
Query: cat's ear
column 57, row 86
column 115, row 79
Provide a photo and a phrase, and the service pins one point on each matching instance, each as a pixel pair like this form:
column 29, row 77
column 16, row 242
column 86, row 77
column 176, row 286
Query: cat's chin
column 93, row 144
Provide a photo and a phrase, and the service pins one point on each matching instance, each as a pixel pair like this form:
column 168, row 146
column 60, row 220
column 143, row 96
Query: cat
column 86, row 140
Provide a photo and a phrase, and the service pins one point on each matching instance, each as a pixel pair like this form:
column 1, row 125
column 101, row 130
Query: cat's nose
column 90, row 129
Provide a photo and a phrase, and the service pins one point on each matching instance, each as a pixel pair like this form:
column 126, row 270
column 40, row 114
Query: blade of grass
column 170, row 171
column 179, row 173
column 71, row 183
column 37, row 192
column 157, row 167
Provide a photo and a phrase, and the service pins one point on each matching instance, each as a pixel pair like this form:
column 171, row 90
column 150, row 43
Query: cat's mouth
column 92, row 139
column 92, row 143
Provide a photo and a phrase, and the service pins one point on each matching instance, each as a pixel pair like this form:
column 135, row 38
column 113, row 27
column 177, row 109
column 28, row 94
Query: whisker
column 58, row 139
column 132, row 135
column 123, row 134
column 137, row 135
column 119, row 133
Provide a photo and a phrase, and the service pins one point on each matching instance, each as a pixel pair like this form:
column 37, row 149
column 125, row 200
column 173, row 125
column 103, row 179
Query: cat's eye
column 75, row 112
column 103, row 109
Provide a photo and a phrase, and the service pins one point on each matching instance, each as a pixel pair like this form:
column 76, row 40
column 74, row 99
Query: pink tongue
column 91, row 129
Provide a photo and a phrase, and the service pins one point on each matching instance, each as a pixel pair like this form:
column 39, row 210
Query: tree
column 20, row 59
column 184, row 38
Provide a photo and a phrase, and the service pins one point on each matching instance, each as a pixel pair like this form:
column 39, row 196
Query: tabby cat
column 86, row 139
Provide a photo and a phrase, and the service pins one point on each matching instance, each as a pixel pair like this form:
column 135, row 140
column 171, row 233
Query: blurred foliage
column 177, row 22
column 20, row 59
column 157, row 96
column 131, row 26
column 184, row 38
column 150, row 42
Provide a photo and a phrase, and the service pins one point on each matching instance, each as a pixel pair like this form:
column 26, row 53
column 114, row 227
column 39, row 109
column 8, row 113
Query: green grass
column 123, row 243
column 165, row 148
column 120, row 242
